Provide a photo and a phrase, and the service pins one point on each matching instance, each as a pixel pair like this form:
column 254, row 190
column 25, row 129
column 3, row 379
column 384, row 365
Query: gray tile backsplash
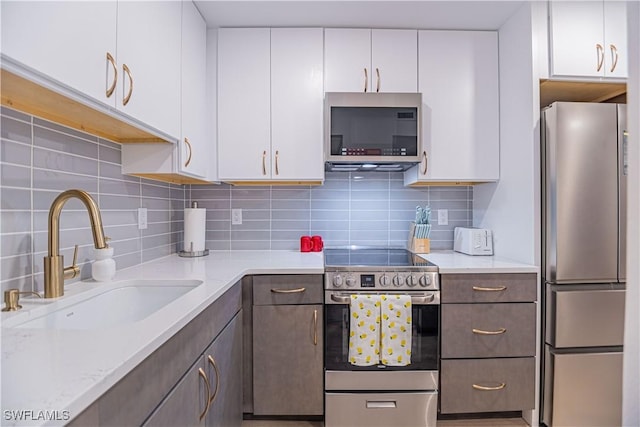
column 39, row 159
column 368, row 209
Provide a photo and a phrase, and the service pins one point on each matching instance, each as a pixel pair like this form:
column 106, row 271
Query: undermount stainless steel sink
column 126, row 303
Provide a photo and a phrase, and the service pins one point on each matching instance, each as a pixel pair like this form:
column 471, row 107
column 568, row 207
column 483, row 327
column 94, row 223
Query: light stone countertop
column 67, row 370
column 456, row 262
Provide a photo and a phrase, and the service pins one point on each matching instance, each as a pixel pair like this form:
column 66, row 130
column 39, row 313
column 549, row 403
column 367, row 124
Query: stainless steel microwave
column 372, row 131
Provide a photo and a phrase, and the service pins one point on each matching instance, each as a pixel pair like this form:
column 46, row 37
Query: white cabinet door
column 244, row 115
column 67, row 41
column 394, row 60
column 588, row 39
column 460, row 118
column 615, row 39
column 196, row 151
column 148, row 50
column 347, row 60
column 296, row 104
column 576, row 32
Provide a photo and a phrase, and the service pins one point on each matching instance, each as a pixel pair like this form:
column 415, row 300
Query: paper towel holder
column 191, row 253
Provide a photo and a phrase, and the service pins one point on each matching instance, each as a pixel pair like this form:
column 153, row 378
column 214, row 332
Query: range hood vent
column 368, row 167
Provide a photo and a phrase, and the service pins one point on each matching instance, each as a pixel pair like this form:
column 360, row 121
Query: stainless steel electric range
column 381, row 395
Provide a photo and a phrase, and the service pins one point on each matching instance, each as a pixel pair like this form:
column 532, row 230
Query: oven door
column 424, row 338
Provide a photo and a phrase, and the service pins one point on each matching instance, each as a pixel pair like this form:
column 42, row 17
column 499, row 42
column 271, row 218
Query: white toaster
column 473, row 241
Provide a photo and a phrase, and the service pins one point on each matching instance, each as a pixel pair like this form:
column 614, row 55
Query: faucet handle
column 74, row 270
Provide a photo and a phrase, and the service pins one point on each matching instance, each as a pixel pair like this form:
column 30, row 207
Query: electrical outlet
column 443, row 217
column 142, row 218
column 236, row 216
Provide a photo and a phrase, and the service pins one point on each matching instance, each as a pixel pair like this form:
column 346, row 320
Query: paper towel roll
column 194, row 229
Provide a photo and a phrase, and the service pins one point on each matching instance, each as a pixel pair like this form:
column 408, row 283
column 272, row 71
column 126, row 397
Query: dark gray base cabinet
column 168, row 388
column 210, row 393
column 288, row 345
column 488, row 326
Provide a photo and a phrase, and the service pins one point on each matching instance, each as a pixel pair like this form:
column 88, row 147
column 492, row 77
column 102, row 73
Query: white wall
column 510, row 207
column 631, row 363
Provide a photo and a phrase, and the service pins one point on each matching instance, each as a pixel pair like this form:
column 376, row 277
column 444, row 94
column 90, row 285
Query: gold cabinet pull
column 614, row 56
column 489, row 289
column 482, row 332
column 186, row 141
column 264, row 162
column 378, row 84
column 315, row 327
column 600, row 52
column 126, row 69
column 288, row 291
column 488, row 388
column 206, row 382
column 277, row 156
column 111, row 88
column 366, row 79
column 212, row 362
column 425, row 161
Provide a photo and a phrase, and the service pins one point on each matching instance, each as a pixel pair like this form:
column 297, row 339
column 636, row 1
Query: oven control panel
column 381, row 280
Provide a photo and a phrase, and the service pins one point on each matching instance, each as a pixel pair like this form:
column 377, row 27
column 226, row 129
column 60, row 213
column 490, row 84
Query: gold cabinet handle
column 489, row 289
column 186, row 141
column 488, row 388
column 126, row 69
column 264, row 162
column 212, row 362
column 366, row 79
column 482, row 332
column 315, row 327
column 614, row 57
column 206, row 382
column 277, row 156
column 425, row 161
column 600, row 52
column 111, row 88
column 288, row 291
column 378, row 84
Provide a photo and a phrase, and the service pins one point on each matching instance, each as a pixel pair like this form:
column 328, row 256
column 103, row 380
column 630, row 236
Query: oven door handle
column 416, row 300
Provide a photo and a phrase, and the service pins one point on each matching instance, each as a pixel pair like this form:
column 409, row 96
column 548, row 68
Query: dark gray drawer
column 488, row 330
column 487, row 385
column 498, row 287
column 288, row 289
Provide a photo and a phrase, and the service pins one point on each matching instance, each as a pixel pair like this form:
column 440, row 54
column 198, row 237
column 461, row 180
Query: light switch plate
column 443, row 217
column 142, row 218
column 236, row 216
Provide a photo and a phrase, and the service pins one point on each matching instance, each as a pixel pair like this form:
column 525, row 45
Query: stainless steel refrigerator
column 584, row 176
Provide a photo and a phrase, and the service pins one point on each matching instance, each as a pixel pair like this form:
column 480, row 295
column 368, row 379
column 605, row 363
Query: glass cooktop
column 375, row 258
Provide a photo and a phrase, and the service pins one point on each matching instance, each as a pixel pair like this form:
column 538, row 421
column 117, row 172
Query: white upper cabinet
column 458, row 79
column 186, row 162
column 270, row 104
column 244, row 110
column 66, row 41
column 588, row 39
column 363, row 60
column 296, row 104
column 196, row 148
column 148, row 61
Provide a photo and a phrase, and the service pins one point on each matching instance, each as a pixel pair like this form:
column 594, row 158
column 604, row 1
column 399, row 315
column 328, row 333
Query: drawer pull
column 491, row 289
column 481, row 332
column 288, row 291
column 380, row 404
column 487, row 388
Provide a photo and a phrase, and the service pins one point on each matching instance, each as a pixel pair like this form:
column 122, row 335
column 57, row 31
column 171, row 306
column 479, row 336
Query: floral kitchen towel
column 395, row 330
column 364, row 339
